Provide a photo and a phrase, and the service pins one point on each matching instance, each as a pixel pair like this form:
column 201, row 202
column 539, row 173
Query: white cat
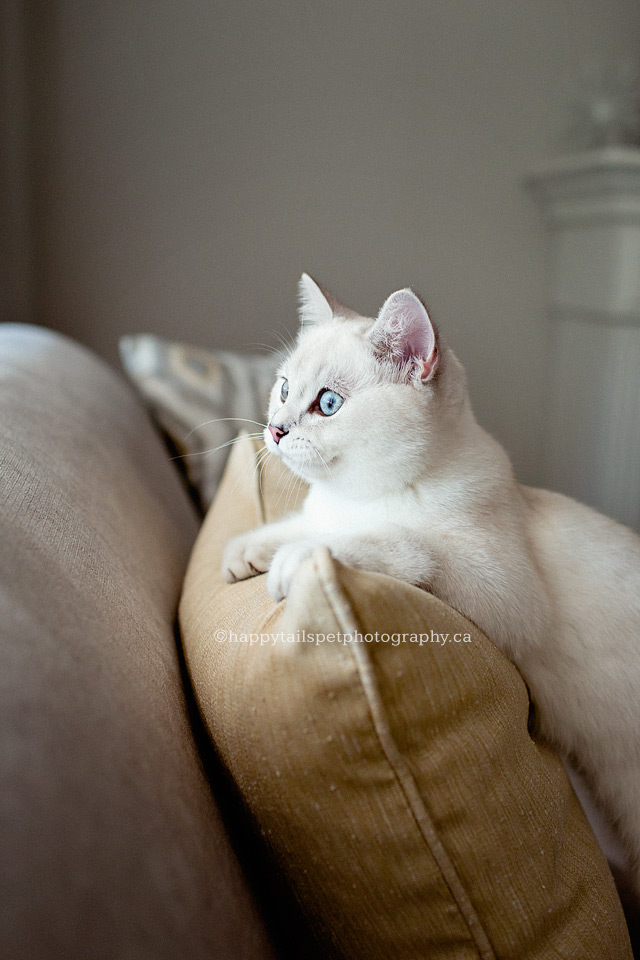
column 376, row 417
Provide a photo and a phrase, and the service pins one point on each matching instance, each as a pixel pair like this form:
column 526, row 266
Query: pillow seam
column 341, row 609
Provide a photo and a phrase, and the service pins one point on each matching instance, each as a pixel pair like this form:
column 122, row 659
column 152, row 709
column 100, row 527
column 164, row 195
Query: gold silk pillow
column 392, row 774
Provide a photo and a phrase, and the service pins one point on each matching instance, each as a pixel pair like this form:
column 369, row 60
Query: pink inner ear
column 405, row 330
column 427, row 367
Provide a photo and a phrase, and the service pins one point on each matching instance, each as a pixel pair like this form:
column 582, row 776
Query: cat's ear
column 404, row 333
column 317, row 305
column 314, row 304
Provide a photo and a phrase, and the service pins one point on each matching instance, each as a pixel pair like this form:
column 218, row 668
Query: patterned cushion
column 200, row 399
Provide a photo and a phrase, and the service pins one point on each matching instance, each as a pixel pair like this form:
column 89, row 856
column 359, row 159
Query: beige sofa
column 112, row 837
column 122, row 835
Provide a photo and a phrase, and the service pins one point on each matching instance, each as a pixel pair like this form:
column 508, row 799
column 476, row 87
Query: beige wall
column 191, row 159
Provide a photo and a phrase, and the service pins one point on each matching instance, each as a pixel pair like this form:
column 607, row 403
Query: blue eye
column 329, row 402
column 284, row 390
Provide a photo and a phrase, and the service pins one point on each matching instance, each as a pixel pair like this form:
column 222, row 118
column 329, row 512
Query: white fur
column 403, row 481
column 314, row 306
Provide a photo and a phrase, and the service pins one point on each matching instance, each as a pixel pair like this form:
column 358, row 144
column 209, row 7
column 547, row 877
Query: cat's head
column 362, row 403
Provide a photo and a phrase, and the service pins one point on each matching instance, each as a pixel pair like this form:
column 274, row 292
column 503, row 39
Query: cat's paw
column 284, row 565
column 247, row 556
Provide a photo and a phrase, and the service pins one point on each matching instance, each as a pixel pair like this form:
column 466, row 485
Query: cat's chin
column 307, row 470
column 301, row 457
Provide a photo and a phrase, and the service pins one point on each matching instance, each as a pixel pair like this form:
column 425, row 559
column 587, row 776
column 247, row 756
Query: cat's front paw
column 246, row 556
column 284, row 565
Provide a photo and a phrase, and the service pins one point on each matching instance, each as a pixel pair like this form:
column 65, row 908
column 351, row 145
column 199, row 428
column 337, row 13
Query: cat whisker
column 206, row 423
column 288, row 341
column 253, row 467
column 270, row 348
column 299, row 490
column 227, row 443
column 256, row 467
column 284, row 483
column 291, row 486
column 261, row 461
column 324, row 463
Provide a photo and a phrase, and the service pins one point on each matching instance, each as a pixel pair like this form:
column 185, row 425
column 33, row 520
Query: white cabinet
column 591, row 207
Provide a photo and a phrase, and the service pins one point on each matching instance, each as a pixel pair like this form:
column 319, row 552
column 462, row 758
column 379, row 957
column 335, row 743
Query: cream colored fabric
column 112, row 843
column 396, row 786
column 200, row 399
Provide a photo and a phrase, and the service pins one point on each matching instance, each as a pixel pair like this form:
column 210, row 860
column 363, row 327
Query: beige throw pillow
column 395, row 783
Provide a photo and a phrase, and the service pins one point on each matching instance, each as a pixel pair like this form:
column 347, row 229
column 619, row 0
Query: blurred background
column 173, row 167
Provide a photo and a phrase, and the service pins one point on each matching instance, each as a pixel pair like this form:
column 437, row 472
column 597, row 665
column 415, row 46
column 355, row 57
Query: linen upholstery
column 112, row 844
column 199, row 398
column 397, row 787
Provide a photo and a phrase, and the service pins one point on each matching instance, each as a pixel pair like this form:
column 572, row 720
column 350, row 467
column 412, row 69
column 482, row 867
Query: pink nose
column 277, row 432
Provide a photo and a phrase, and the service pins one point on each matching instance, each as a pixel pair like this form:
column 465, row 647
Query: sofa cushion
column 200, row 399
column 393, row 776
column 112, row 843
